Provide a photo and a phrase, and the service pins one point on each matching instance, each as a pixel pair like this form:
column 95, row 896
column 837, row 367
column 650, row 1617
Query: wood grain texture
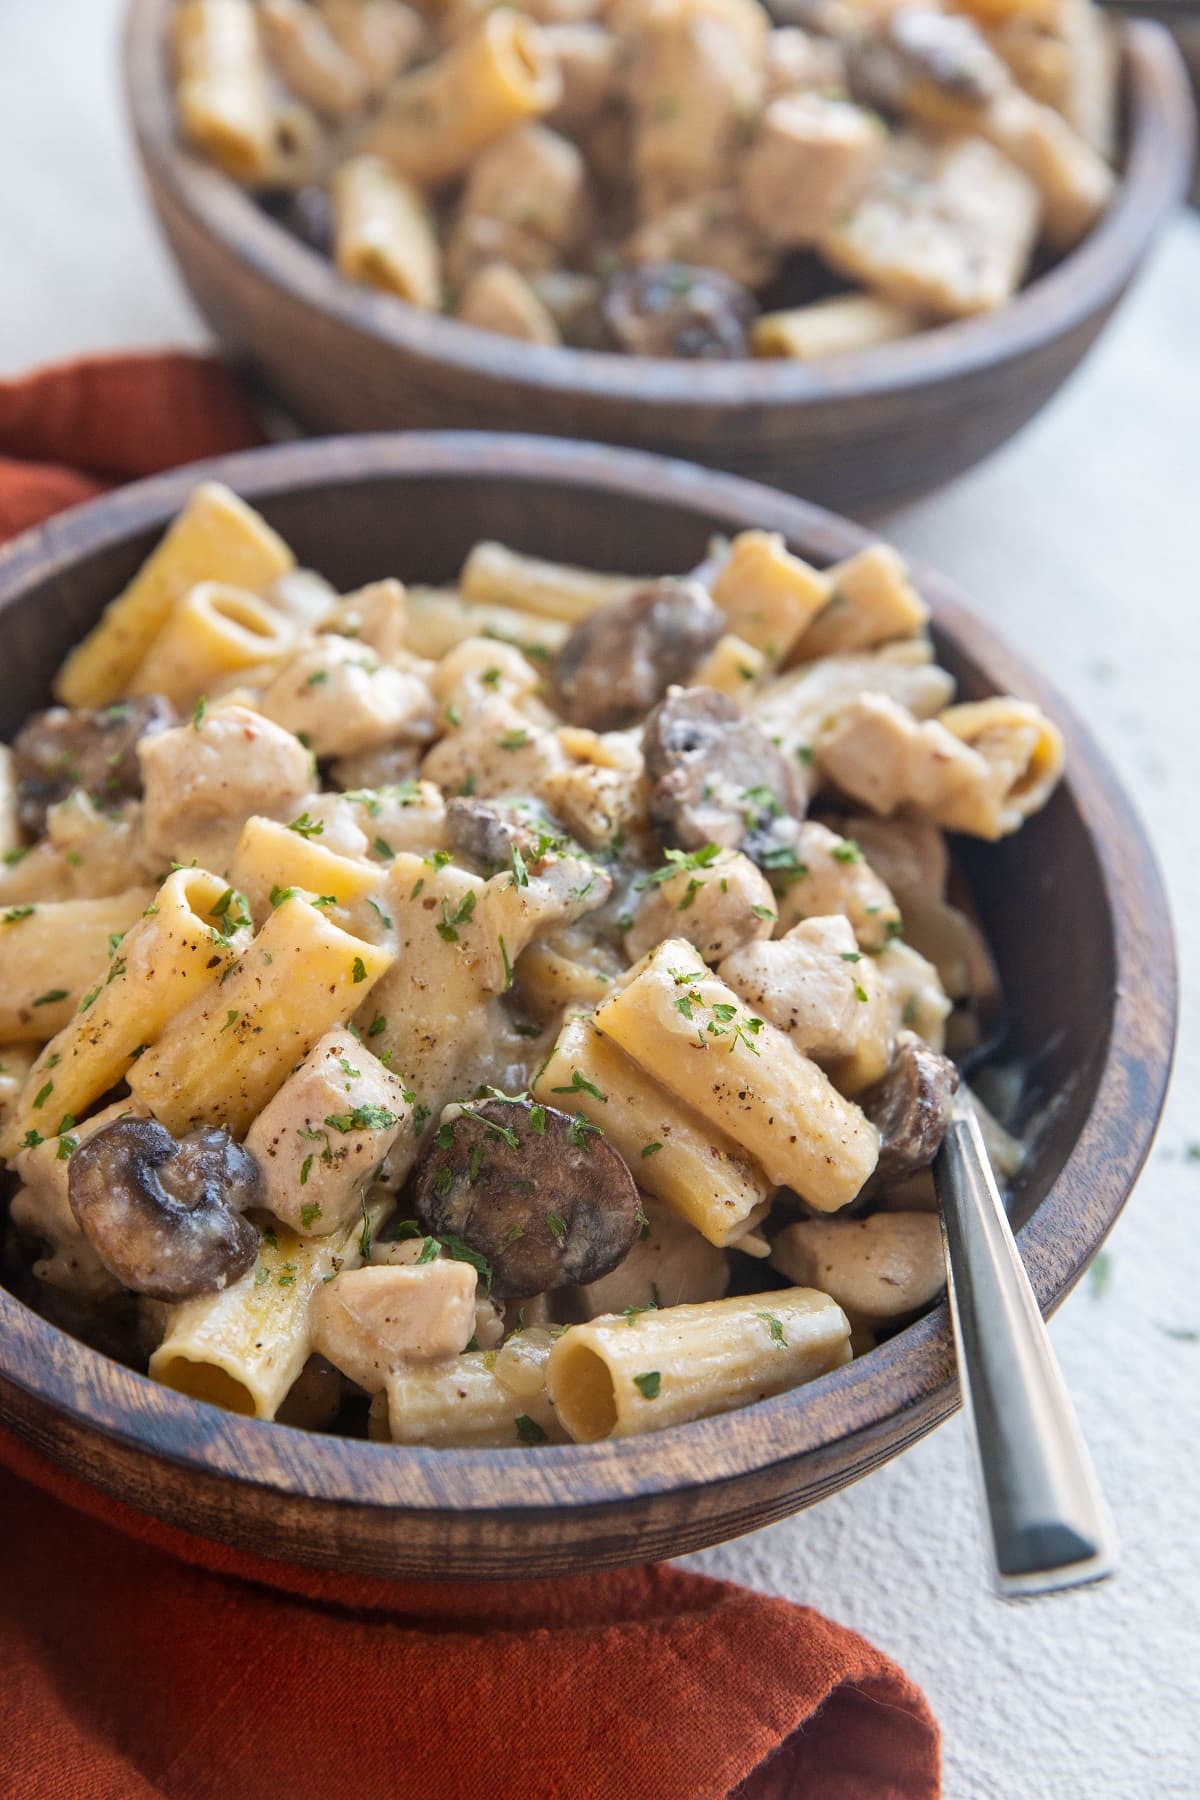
column 1073, row 905
column 849, row 432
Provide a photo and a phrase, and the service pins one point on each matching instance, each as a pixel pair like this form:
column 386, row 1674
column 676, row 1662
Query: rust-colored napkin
column 137, row 1661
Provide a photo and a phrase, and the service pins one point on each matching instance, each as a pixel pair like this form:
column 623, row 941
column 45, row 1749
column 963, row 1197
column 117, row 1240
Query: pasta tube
column 228, row 1053
column 483, row 1399
column 216, row 537
column 223, row 91
column 177, row 950
column 383, row 233
column 769, row 596
column 743, row 1075
column 242, row 1348
column 52, row 954
column 616, row 1377
column 841, row 326
column 439, row 618
column 437, row 119
column 493, row 572
column 676, row 1155
column 871, row 600
column 313, row 63
column 213, row 632
column 270, row 858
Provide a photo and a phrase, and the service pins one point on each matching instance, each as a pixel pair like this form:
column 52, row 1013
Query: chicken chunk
column 325, row 1134
column 807, row 166
column 370, row 1321
column 345, row 700
column 204, row 780
column 718, row 905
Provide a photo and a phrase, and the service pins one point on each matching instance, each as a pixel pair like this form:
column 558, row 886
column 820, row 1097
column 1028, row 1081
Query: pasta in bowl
column 555, row 1061
column 495, row 293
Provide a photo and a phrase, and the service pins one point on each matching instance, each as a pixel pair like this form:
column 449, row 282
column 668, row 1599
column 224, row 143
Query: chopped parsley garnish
column 678, row 860
column 307, row 827
column 316, row 678
column 847, row 852
column 860, row 993
column 43, row 1094
column 579, row 1084
column 528, row 1430
column 508, row 968
column 693, row 888
column 305, row 1172
column 648, row 1385
column 231, row 1018
column 383, row 918
column 280, row 894
column 520, row 873
column 579, row 1130
column 630, row 1313
column 89, row 1000
column 67, row 1146
column 850, row 956
column 18, row 912
column 358, row 970
column 377, row 1025
column 429, row 1251
column 775, row 1327
column 557, row 1227
column 311, row 1213
column 449, row 921
column 362, row 1118
column 763, row 912
column 537, row 1121
column 201, row 708
column 32, row 1139
column 384, row 849
column 513, row 740
column 49, row 998
column 651, row 1149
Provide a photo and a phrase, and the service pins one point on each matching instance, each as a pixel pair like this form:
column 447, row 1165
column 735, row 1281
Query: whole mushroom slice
column 614, row 666
column 165, row 1216
column 540, row 1195
column 59, row 750
column 911, row 1106
column 675, row 309
column 716, row 778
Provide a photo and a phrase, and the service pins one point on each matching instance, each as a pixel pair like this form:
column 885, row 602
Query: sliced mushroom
column 487, row 831
column 164, row 1215
column 674, row 309
column 619, row 661
column 60, row 750
column 911, row 1106
column 541, row 1195
column 716, row 778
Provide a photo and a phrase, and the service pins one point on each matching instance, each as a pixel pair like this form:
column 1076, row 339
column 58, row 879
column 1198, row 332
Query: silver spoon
column 1049, row 1525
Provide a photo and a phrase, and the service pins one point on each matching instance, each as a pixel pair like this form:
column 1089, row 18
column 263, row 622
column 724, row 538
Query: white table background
column 1081, row 539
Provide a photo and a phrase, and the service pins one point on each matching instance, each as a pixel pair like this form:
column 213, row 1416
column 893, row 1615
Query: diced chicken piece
column 533, row 179
column 478, row 670
column 557, row 889
column 371, row 1320
column 407, row 815
column 497, row 297
column 811, row 159
column 799, row 708
column 321, row 1140
column 819, row 987
column 670, row 1264
column 477, row 241
column 717, row 907
column 345, row 700
column 944, row 227
column 373, row 615
column 878, row 1270
column 499, row 751
column 204, row 780
column 834, row 877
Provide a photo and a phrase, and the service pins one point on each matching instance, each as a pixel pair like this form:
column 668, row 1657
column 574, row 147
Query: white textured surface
column 1081, row 539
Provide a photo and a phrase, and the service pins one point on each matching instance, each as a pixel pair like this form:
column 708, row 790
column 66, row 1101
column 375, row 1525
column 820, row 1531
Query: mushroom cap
column 911, row 1106
column 60, row 749
column 716, row 777
column 622, row 658
column 541, row 1195
column 165, row 1216
column 676, row 309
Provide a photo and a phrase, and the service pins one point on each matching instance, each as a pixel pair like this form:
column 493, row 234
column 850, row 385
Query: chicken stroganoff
column 679, row 178
column 499, row 1014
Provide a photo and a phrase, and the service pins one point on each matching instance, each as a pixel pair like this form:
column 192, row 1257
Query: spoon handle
column 1049, row 1524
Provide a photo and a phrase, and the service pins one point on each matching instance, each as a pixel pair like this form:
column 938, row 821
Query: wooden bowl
column 1073, row 907
column 851, row 431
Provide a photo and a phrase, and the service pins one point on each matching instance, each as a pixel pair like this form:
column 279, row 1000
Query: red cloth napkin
column 138, row 1661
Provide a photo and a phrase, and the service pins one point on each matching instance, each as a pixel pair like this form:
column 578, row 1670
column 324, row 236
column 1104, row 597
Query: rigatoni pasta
column 647, row 177
column 486, row 990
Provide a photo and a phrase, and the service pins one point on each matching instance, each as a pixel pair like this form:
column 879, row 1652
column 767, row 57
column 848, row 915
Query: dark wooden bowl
column 1073, row 906
column 848, row 432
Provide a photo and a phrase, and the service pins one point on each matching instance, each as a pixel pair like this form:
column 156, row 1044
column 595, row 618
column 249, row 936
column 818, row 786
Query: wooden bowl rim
column 911, row 1374
column 1088, row 280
